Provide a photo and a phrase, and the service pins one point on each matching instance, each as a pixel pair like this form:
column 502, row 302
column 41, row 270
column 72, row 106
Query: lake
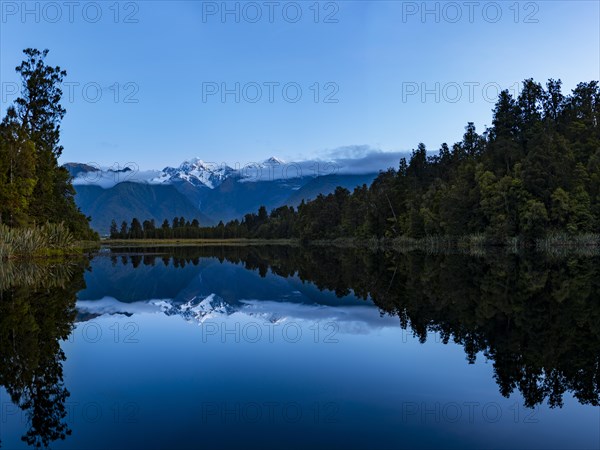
column 289, row 347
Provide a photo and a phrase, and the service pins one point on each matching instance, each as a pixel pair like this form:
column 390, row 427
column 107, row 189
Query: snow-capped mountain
column 198, row 173
column 211, row 175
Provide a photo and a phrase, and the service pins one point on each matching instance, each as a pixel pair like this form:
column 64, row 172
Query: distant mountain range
column 204, row 191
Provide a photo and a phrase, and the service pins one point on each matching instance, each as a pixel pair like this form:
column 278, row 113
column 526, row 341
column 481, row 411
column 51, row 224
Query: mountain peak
column 198, row 173
column 274, row 160
column 194, row 162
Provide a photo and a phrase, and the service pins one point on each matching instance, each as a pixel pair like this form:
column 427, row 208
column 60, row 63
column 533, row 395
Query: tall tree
column 114, row 231
column 34, row 123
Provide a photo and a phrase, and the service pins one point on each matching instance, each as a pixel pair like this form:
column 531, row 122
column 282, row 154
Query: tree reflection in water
column 37, row 310
column 536, row 317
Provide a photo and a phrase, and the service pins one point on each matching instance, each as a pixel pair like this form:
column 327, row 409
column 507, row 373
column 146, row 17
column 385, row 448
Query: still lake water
column 279, row 347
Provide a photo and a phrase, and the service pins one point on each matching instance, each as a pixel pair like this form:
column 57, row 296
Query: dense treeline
column 536, row 170
column 179, row 228
column 34, row 189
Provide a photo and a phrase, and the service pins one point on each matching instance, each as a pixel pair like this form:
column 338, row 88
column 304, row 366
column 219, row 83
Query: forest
column 35, row 191
column 533, row 173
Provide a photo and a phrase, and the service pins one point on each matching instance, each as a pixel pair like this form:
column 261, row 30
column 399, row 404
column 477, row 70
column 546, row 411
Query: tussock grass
column 58, row 236
column 46, row 240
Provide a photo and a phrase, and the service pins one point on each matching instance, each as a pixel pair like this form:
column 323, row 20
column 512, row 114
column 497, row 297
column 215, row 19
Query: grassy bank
column 557, row 243
column 199, row 242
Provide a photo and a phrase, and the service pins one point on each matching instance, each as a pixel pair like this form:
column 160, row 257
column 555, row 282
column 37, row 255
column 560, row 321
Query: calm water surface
column 278, row 347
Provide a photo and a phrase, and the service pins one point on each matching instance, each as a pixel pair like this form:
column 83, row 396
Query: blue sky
column 374, row 58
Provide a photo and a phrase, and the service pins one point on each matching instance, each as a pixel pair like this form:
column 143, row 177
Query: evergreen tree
column 124, row 232
column 34, row 189
column 135, row 230
column 114, row 231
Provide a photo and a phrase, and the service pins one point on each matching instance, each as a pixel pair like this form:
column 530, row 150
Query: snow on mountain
column 198, row 173
column 194, row 171
column 274, row 160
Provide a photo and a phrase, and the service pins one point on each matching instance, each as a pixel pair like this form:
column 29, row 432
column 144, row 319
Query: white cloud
column 363, row 159
column 106, row 178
